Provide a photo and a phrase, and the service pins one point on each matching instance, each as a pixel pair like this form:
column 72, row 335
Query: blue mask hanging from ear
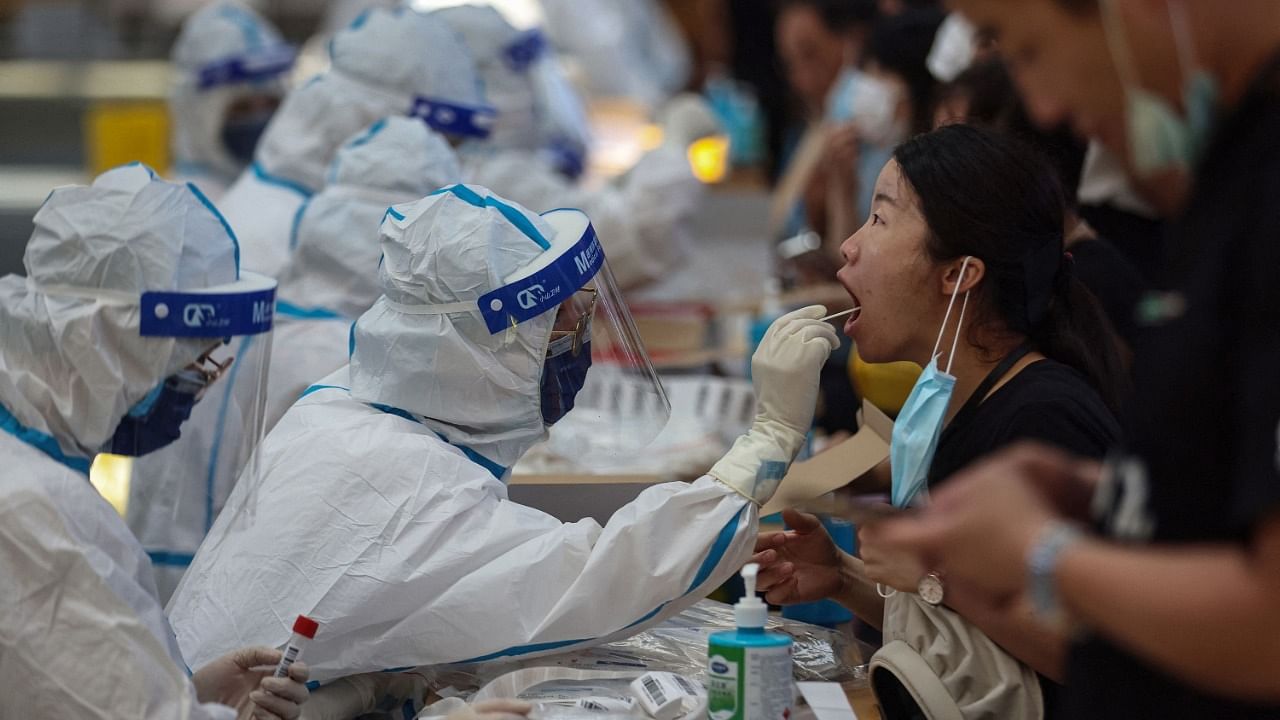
column 157, row 420
column 919, row 424
column 563, row 374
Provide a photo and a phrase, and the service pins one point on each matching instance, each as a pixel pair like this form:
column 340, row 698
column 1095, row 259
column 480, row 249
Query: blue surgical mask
column 157, row 420
column 240, row 137
column 563, row 374
column 1159, row 137
column 919, row 424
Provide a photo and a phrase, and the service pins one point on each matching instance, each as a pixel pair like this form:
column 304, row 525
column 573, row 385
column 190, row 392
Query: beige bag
column 951, row 669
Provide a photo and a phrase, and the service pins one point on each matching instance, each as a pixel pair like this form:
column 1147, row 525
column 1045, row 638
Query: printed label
column 749, row 684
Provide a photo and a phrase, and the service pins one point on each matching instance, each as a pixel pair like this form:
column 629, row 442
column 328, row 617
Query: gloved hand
column 242, row 680
column 785, row 371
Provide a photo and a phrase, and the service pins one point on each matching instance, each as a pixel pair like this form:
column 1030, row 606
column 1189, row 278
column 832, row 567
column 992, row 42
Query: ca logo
column 197, row 314
column 530, row 296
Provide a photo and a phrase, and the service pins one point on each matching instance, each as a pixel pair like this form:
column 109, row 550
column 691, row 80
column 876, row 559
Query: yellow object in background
column 709, row 158
column 110, row 476
column 885, row 385
column 117, row 133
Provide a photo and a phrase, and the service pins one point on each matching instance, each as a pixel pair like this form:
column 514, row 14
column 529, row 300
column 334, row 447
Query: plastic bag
column 678, row 645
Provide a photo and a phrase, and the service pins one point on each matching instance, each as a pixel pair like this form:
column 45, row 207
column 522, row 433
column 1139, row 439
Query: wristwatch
column 930, row 589
column 1042, row 567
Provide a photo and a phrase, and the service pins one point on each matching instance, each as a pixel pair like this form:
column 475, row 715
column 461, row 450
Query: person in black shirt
column 968, row 213
column 1176, row 590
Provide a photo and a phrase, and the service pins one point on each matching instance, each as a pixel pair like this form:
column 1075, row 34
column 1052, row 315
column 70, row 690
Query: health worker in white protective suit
column 630, row 49
column 539, row 140
column 114, row 333
column 381, row 507
column 332, row 276
column 230, row 72
column 387, row 62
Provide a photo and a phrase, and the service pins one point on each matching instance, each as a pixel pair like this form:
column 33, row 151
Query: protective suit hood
column 224, row 50
column 334, row 266
column 477, row 389
column 537, row 107
column 72, row 360
column 387, row 62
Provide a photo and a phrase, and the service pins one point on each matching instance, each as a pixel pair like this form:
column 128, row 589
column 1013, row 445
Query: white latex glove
column 242, row 680
column 784, row 371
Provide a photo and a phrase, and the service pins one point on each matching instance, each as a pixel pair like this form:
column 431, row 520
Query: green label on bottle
column 724, row 691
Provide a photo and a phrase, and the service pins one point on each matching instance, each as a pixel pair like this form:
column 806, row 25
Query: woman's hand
column 242, row 680
column 800, row 565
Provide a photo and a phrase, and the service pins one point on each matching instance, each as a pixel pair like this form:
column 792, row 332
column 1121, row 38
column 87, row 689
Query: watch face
column 930, row 589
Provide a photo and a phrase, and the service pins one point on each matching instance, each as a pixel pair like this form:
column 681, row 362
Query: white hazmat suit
column 225, row 52
column 382, row 511
column 643, row 219
column 332, row 276
column 81, row 632
column 387, row 62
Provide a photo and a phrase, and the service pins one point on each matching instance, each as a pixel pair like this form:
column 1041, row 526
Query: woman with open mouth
column 960, row 268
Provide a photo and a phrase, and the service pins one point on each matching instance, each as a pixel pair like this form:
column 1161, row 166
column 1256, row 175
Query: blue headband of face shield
column 452, row 119
column 263, row 64
column 525, row 50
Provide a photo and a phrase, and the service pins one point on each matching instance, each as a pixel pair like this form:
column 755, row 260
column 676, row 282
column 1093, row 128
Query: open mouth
column 852, row 318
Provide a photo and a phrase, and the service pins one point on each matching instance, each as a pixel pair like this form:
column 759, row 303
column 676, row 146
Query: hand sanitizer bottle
column 749, row 670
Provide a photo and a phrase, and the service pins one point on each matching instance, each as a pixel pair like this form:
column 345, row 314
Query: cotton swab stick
column 850, row 311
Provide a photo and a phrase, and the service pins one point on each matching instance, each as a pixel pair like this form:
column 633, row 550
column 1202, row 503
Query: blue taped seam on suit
column 713, row 559
column 513, row 216
column 297, row 221
column 288, row 309
column 492, row 467
column 266, row 177
column 43, row 442
column 315, row 388
column 170, row 559
column 235, row 242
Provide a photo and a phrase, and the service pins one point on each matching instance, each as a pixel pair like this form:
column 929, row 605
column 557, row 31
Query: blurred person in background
column 896, row 79
column 625, row 49
column 984, row 94
column 538, row 142
column 230, row 70
column 332, row 275
column 1166, row 559
column 387, row 62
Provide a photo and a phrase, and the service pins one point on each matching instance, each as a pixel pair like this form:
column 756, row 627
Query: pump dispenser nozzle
column 750, row 612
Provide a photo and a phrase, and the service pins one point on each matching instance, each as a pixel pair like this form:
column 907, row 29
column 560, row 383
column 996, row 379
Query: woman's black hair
column 901, row 45
column 985, row 194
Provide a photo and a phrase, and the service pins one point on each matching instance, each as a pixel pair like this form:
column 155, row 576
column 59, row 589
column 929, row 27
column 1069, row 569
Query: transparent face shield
column 599, row 394
column 178, row 451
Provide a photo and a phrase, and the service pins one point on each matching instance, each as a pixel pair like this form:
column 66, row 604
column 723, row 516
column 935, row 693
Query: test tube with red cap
column 304, row 629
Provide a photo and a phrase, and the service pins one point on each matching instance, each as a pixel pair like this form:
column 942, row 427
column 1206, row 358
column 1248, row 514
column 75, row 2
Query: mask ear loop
column 1182, row 40
column 1112, row 27
column 947, row 317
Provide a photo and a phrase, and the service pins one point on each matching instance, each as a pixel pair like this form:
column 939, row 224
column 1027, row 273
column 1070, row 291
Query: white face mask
column 870, row 103
column 953, row 48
